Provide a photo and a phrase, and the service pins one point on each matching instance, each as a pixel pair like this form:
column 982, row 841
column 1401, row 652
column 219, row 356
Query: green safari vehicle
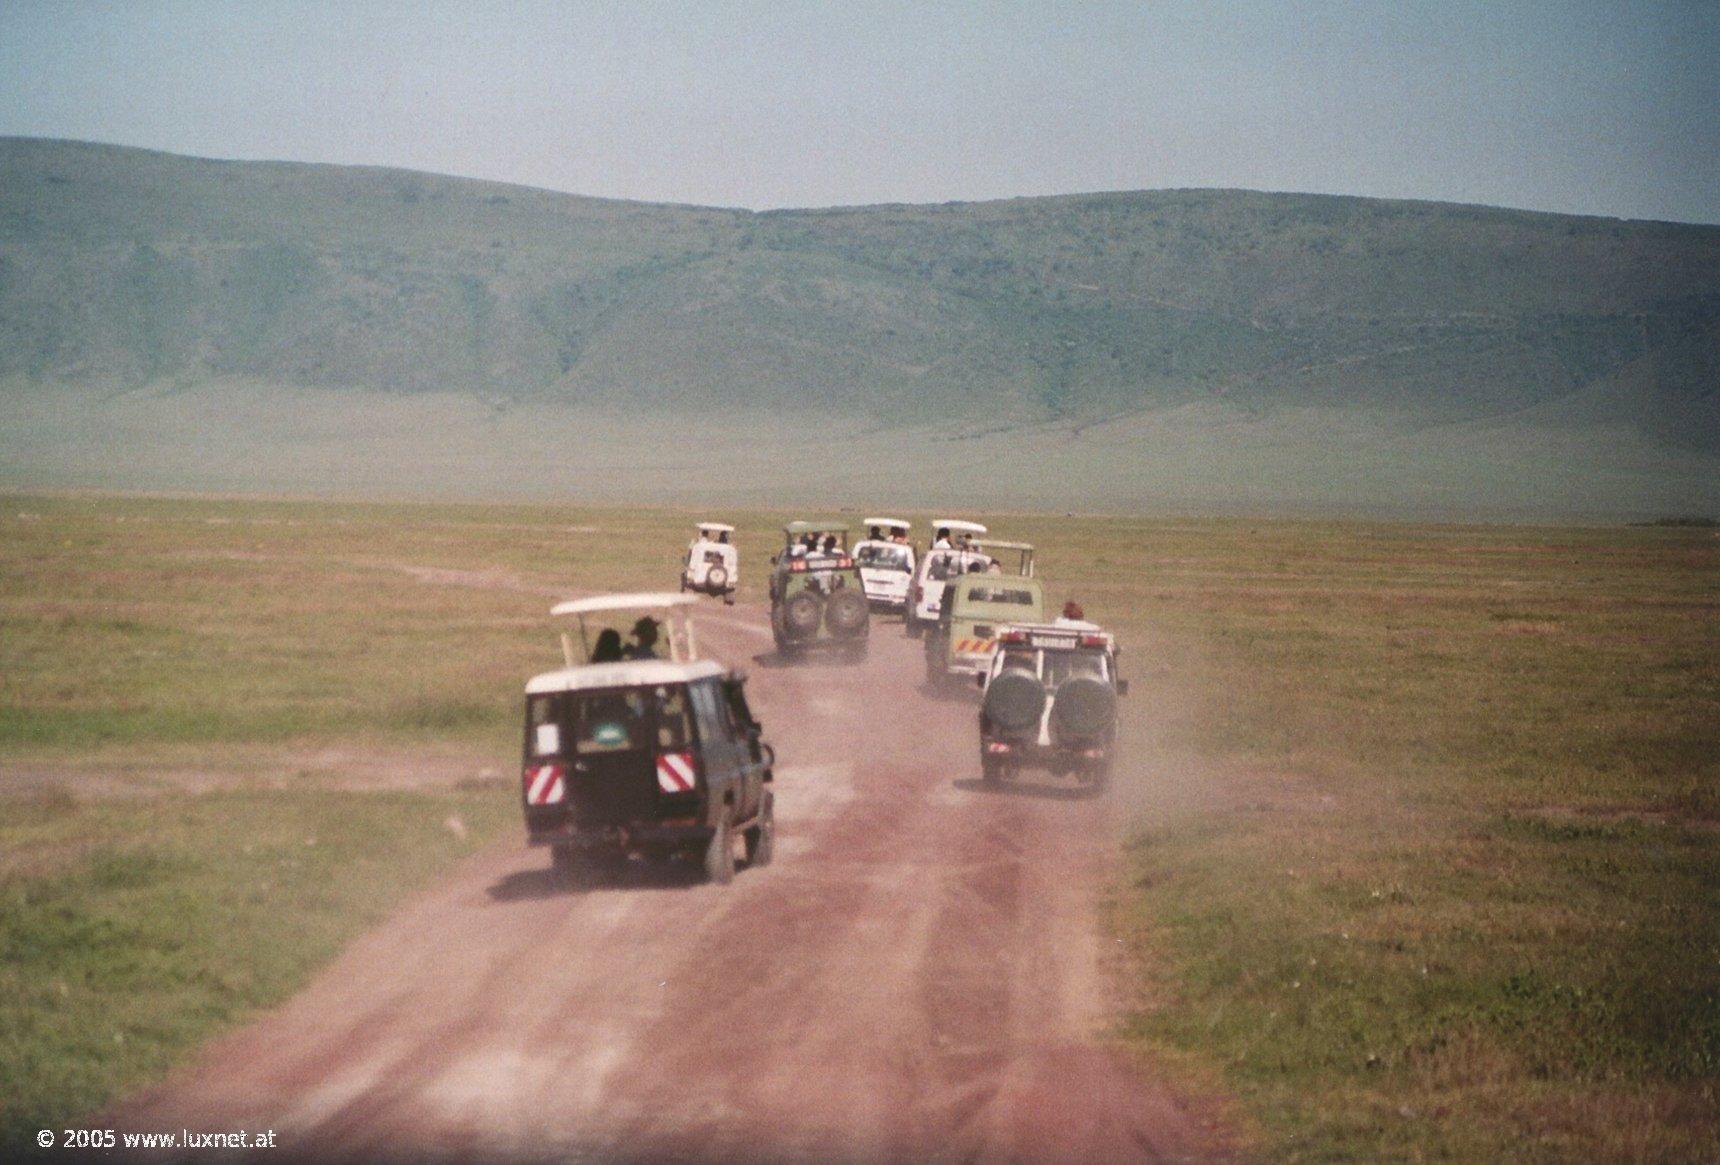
column 974, row 607
column 817, row 598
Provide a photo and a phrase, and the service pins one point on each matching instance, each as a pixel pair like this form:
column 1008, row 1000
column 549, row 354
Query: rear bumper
column 1045, row 756
column 666, row 834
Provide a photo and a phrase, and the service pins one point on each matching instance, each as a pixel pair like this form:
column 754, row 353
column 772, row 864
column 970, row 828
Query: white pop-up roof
column 892, row 523
column 676, row 617
column 715, row 528
column 957, row 526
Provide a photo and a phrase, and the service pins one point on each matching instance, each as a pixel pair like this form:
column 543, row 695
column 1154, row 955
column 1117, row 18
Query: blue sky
column 1589, row 108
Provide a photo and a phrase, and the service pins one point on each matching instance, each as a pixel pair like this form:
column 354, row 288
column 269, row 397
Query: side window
column 713, row 720
column 738, row 710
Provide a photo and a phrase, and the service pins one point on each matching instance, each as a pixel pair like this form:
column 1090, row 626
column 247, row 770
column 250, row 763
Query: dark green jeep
column 817, row 599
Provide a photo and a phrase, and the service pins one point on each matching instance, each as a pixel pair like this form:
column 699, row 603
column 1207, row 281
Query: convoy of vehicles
column 817, row 599
column 640, row 748
column 951, row 554
column 652, row 754
column 1050, row 702
column 712, row 565
column 886, row 561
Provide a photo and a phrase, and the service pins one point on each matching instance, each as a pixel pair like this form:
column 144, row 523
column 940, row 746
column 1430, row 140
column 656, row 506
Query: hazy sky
column 1595, row 108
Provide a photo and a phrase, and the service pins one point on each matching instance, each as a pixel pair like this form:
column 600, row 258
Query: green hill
column 153, row 284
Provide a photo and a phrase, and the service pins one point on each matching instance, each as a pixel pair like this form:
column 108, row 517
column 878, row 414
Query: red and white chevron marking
column 545, row 785
column 675, row 772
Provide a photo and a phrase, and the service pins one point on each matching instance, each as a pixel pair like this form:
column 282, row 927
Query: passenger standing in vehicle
column 943, row 542
column 608, row 649
column 1074, row 616
column 644, row 643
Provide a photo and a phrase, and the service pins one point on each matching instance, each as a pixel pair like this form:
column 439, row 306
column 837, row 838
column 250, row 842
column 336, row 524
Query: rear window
column 1000, row 593
column 591, row 723
column 879, row 557
column 950, row 564
column 1061, row 665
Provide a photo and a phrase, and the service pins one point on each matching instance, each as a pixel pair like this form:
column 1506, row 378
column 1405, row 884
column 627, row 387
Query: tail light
column 1092, row 641
column 677, row 772
column 544, row 784
column 1013, row 637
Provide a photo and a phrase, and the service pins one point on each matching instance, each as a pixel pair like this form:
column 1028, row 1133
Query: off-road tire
column 991, row 769
column 1014, row 701
column 761, row 838
column 720, row 853
column 716, row 579
column 912, row 626
column 801, row 615
column 845, row 614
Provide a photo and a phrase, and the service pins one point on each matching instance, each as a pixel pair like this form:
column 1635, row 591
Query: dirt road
column 917, row 977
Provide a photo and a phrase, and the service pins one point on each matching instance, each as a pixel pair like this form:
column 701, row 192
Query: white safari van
column 886, row 561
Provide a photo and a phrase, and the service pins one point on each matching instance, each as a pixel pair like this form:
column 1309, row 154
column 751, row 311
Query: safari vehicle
column 886, row 562
column 938, row 565
column 654, row 756
column 712, row 565
column 817, row 601
column 974, row 607
column 1051, row 703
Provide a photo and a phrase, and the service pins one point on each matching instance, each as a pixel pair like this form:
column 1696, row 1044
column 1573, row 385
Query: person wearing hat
column 644, row 645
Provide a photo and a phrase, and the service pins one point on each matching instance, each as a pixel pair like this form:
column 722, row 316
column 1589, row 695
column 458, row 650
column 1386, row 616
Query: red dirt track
column 918, row 976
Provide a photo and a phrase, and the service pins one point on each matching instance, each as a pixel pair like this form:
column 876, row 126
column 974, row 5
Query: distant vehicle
column 712, row 565
column 1051, row 703
column 817, row 599
column 974, row 607
column 644, row 749
column 951, row 553
column 886, row 561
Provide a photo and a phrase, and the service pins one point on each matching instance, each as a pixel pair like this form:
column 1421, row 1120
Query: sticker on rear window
column 610, row 733
column 548, row 740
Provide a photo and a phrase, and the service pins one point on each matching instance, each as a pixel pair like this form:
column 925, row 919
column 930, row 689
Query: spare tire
column 1014, row 701
column 1085, row 709
column 845, row 613
column 716, row 579
column 800, row 615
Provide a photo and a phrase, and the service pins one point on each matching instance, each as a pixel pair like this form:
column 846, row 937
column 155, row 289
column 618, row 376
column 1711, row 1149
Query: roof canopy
column 957, row 526
column 995, row 544
column 626, row 674
column 796, row 529
column 644, row 601
column 896, row 523
column 719, row 527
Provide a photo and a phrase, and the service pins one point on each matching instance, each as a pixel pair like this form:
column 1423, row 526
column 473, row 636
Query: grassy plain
column 1425, row 853
column 1432, row 870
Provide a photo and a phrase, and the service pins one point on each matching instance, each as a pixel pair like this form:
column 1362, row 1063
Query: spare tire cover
column 716, row 578
column 1084, row 710
column 1015, row 700
column 800, row 613
column 845, row 613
